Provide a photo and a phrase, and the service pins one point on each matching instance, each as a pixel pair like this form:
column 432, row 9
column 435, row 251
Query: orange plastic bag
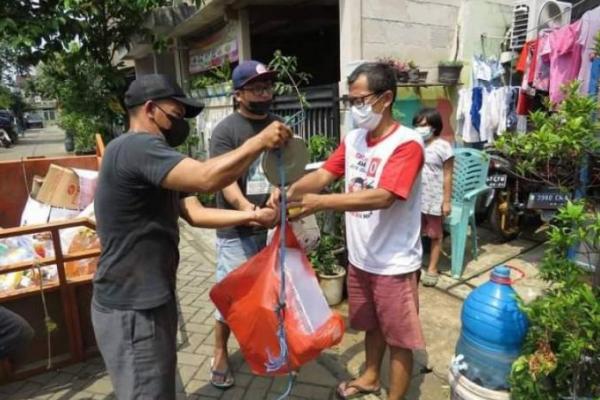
column 248, row 297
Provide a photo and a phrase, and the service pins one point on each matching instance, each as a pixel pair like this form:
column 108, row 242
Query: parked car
column 33, row 121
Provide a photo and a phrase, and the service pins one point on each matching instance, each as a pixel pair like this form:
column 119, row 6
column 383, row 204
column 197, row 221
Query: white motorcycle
column 5, row 138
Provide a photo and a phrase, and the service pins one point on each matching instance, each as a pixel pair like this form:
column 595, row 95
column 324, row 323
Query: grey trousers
column 139, row 349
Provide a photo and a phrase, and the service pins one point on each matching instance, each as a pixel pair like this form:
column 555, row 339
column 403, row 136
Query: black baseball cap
column 251, row 71
column 158, row 87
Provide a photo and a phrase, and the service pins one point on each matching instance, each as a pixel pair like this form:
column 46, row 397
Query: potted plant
column 222, row 77
column 400, row 68
column 331, row 275
column 449, row 71
column 201, row 83
column 413, row 72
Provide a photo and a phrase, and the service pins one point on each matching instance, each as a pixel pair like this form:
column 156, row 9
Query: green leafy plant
column 289, row 79
column 202, row 81
column 83, row 128
column 222, row 73
column 323, row 258
column 320, row 147
column 412, row 65
column 553, row 152
column 560, row 356
column 597, row 44
column 207, row 199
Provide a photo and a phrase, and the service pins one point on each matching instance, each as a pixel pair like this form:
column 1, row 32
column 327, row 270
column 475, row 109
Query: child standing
column 437, row 186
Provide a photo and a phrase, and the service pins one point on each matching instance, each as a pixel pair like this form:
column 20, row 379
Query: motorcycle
column 5, row 139
column 514, row 200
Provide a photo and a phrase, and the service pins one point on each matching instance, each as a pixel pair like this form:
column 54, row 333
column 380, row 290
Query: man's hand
column 266, row 217
column 446, row 208
column 309, row 204
column 273, row 201
column 274, row 135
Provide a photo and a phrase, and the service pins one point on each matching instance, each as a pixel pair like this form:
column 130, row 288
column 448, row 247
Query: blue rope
column 275, row 363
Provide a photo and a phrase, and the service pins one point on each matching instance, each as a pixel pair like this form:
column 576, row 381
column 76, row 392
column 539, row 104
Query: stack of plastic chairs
column 469, row 181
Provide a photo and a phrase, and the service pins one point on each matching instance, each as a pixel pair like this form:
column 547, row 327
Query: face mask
column 178, row 132
column 364, row 117
column 259, row 107
column 425, row 131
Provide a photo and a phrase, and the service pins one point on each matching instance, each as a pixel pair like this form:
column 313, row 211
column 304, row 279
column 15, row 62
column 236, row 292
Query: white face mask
column 425, row 131
column 364, row 117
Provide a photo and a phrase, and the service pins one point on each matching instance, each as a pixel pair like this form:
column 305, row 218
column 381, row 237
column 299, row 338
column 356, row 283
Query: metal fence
column 322, row 115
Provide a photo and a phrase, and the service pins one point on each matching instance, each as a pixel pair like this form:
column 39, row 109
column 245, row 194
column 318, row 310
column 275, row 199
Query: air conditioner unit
column 531, row 16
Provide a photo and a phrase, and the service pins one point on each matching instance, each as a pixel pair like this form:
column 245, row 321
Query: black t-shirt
column 228, row 135
column 136, row 223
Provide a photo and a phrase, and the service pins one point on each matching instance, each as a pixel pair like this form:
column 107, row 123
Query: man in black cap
column 139, row 198
column 253, row 84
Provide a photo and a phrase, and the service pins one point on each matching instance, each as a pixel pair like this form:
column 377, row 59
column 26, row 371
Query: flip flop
column 226, row 380
column 429, row 279
column 340, row 392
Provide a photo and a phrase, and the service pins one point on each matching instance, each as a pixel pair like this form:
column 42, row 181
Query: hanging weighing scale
column 293, row 158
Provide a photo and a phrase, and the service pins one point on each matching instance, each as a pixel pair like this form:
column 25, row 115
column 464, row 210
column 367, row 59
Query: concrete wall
column 483, row 17
column 163, row 63
column 420, row 30
column 424, row 31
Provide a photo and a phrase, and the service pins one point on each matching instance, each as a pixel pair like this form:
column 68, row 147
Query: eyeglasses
column 169, row 115
column 350, row 101
column 259, row 90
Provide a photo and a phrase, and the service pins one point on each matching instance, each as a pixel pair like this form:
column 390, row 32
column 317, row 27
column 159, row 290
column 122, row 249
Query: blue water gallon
column 493, row 330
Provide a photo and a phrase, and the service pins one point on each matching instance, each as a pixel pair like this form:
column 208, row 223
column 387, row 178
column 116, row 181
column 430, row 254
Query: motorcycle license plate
column 496, row 181
column 546, row 200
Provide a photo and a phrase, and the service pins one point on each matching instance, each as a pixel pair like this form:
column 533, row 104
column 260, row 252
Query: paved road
column 47, row 142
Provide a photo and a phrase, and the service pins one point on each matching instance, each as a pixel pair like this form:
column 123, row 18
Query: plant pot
column 333, row 286
column 69, row 141
column 222, row 88
column 228, row 88
column 211, row 90
column 423, row 76
column 202, row 92
column 449, row 74
column 413, row 75
column 402, row 76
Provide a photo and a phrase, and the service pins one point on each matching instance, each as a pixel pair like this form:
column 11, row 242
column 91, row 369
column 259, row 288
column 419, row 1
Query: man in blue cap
column 141, row 194
column 253, row 85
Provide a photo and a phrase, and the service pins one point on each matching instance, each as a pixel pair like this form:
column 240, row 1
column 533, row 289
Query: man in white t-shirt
column 381, row 162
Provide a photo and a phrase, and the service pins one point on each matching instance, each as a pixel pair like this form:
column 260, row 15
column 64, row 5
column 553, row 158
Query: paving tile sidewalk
column 440, row 316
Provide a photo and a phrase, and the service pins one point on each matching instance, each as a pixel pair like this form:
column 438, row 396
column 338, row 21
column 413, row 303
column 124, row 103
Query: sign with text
column 203, row 59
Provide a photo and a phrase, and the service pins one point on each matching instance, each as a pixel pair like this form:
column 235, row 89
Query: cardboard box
column 60, row 188
column 38, row 181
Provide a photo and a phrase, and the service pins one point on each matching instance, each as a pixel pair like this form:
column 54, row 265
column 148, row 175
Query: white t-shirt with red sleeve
column 387, row 241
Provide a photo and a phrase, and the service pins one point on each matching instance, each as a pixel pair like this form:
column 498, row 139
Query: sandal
column 220, row 380
column 428, row 279
column 340, row 392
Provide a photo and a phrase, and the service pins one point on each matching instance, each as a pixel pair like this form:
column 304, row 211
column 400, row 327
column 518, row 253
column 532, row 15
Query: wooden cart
column 68, row 299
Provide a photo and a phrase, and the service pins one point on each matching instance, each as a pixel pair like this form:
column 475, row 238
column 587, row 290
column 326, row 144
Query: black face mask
column 259, row 107
column 178, row 132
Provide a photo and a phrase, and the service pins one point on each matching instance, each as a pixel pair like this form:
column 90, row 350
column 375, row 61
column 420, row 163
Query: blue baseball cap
column 251, row 71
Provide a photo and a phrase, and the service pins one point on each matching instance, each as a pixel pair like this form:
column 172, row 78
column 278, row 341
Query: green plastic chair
column 469, row 181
